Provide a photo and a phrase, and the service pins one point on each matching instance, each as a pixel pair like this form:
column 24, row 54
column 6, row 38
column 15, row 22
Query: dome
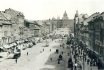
column 65, row 16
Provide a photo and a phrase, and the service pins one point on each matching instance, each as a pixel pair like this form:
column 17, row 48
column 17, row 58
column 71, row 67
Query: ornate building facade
column 64, row 22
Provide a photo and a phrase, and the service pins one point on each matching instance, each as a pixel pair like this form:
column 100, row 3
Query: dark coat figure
column 88, row 61
column 69, row 60
column 50, row 50
column 79, row 51
column 74, row 56
column 58, row 60
column 62, row 52
column 60, row 57
column 75, row 67
column 51, row 59
column 16, row 60
column 80, row 67
column 57, row 51
column 70, row 63
column 91, row 63
column 27, row 53
column 43, row 49
column 68, row 54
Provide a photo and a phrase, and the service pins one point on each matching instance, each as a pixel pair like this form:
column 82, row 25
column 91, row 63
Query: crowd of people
column 77, row 53
column 80, row 54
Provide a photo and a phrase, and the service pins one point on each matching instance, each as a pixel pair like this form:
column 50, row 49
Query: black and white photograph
column 51, row 34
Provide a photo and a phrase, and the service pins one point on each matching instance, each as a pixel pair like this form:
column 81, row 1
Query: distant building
column 65, row 16
column 5, row 29
column 64, row 22
column 17, row 19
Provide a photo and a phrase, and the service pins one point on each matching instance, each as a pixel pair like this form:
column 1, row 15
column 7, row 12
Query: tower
column 65, row 16
column 76, row 24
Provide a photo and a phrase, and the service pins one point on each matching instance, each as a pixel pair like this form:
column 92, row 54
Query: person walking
column 58, row 60
column 27, row 53
column 75, row 66
column 80, row 66
column 62, row 52
column 68, row 54
column 51, row 59
column 16, row 60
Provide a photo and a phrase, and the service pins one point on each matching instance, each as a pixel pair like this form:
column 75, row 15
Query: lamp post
column 83, row 61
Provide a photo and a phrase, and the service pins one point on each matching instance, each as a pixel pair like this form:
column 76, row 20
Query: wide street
column 37, row 59
column 51, row 35
column 41, row 57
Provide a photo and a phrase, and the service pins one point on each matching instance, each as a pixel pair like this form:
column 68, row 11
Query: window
column 97, row 37
column 5, row 33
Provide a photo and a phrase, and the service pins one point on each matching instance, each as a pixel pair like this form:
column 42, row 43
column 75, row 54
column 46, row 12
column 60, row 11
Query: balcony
column 85, row 31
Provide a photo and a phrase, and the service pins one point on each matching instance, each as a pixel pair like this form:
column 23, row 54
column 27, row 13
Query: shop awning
column 6, row 46
column 1, row 47
column 11, row 45
column 89, row 48
column 14, row 44
column 18, row 42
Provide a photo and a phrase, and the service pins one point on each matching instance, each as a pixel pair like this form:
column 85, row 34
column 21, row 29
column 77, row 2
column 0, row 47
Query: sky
column 47, row 9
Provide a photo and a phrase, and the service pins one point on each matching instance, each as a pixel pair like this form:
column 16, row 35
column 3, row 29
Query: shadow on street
column 53, row 59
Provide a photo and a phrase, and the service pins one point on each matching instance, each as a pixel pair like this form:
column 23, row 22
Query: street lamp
column 83, row 61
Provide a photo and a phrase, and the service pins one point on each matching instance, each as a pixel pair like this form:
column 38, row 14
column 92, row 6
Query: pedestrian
column 80, row 66
column 88, row 61
column 16, row 60
column 51, row 59
column 27, row 53
column 68, row 54
column 58, row 60
column 75, row 66
column 62, row 52
column 57, row 51
column 79, row 51
column 43, row 49
column 50, row 50
column 60, row 56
